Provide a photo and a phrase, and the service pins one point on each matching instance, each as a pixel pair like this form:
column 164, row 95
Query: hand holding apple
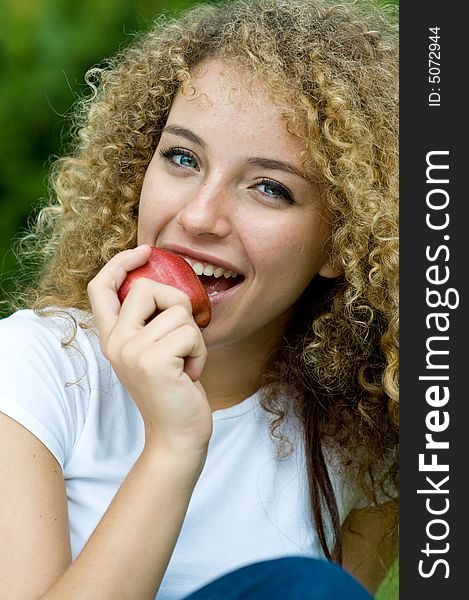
column 161, row 363
column 169, row 268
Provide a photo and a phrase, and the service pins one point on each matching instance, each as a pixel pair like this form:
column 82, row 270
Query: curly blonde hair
column 332, row 69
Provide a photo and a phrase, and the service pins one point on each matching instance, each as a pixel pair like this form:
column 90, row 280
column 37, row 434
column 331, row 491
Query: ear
column 332, row 268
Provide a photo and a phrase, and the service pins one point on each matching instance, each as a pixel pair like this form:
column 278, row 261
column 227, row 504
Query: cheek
column 157, row 207
column 292, row 253
column 148, row 216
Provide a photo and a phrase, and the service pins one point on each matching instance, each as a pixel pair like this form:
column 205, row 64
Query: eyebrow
column 185, row 133
column 264, row 163
column 276, row 165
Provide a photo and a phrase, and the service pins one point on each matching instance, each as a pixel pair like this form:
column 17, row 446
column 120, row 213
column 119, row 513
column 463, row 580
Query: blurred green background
column 46, row 46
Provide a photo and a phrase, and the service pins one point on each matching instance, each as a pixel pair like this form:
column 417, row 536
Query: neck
column 233, row 373
column 229, row 377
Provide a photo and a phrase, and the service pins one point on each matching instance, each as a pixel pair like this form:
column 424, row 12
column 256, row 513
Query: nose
column 207, row 212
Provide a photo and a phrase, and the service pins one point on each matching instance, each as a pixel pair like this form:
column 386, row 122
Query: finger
column 145, row 297
column 165, row 322
column 102, row 289
column 194, row 367
column 186, row 344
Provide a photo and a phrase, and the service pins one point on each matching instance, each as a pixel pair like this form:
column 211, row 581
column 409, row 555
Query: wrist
column 183, row 463
column 189, row 444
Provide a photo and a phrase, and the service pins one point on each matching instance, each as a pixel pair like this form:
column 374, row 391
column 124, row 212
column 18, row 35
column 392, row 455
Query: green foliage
column 389, row 589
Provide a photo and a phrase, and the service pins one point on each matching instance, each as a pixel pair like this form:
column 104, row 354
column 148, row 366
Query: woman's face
column 225, row 189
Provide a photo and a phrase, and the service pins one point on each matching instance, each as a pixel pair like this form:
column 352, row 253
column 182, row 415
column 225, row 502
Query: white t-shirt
column 248, row 505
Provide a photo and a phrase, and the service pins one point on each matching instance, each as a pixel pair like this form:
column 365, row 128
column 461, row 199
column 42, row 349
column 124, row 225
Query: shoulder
column 27, row 336
column 60, row 346
column 51, row 371
column 58, row 322
column 50, row 322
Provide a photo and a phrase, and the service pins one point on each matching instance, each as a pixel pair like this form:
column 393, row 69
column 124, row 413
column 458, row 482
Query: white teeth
column 198, row 268
column 209, row 269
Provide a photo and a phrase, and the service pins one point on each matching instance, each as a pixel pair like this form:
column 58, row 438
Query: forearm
column 127, row 554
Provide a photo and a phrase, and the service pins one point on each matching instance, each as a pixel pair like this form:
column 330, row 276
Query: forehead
column 222, row 98
column 216, row 81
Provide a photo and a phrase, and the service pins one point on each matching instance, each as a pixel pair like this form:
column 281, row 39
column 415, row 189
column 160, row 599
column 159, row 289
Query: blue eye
column 185, row 160
column 275, row 190
column 180, row 158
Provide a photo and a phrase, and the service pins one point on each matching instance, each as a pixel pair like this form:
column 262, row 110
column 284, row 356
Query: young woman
column 141, row 456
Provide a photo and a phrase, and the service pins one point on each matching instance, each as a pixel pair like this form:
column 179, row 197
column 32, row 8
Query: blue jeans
column 290, row 578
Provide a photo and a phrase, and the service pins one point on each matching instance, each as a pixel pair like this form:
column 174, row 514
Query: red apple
column 170, row 268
